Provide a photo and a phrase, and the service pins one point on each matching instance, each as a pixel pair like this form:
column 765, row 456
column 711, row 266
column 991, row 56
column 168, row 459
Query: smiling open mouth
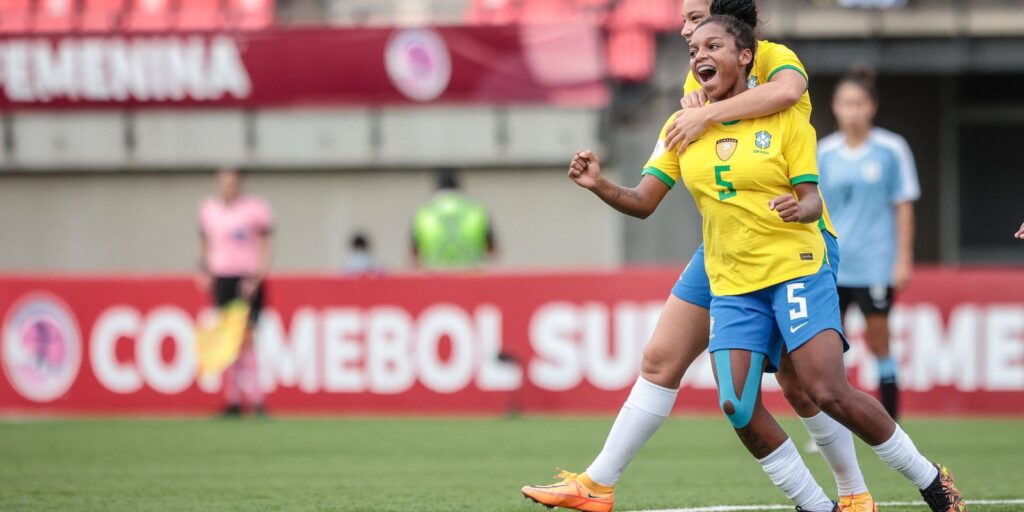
column 706, row 72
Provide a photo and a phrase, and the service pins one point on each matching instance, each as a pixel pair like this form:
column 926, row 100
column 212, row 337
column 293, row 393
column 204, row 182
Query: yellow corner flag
column 219, row 342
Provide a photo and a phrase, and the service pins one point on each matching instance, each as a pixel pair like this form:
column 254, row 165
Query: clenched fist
column 585, row 169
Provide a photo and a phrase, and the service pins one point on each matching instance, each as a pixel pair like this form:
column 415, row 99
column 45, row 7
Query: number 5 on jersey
column 727, row 185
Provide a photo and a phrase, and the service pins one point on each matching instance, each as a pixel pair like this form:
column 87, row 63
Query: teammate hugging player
column 683, row 329
column 770, row 272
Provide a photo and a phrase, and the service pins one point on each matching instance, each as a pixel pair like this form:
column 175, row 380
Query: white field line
column 741, row 508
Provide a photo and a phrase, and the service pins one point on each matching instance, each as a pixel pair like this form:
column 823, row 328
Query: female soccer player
column 769, row 268
column 682, row 331
column 870, row 183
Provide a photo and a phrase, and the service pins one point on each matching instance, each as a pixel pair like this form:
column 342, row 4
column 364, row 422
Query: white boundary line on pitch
column 740, row 508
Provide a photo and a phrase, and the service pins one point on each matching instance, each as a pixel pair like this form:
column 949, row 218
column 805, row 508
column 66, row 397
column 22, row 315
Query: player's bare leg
column 832, row 440
column 819, row 364
column 738, row 374
column 680, row 336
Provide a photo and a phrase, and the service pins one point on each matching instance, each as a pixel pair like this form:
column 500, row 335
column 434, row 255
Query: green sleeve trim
column 730, row 123
column 653, row 171
column 787, row 66
column 804, row 178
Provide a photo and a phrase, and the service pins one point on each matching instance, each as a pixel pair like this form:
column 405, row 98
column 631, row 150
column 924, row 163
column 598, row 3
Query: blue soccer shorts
column 694, row 287
column 786, row 314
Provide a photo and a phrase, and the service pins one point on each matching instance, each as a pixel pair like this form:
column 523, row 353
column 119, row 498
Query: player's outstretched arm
column 639, row 201
column 1020, row 233
column 805, row 208
column 783, row 91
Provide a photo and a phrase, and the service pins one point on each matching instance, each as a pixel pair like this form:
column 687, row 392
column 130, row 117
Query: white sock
column 789, row 473
column 836, row 444
column 900, row 454
column 644, row 411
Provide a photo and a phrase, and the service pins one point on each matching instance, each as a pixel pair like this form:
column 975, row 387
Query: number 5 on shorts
column 801, row 303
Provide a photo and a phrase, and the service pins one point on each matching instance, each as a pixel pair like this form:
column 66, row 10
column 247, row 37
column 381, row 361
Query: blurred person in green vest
column 452, row 231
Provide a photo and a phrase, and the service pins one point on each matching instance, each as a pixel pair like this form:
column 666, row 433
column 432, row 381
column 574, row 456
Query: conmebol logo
column 418, row 63
column 42, row 347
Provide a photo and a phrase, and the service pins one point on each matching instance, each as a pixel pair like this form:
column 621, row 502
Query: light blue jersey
column 861, row 187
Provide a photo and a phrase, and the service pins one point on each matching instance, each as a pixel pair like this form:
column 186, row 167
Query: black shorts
column 872, row 300
column 226, row 289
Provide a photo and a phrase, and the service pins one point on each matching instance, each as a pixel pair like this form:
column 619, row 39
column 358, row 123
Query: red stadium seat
column 658, row 15
column 594, row 11
column 547, row 11
column 149, row 15
column 200, row 15
column 494, row 12
column 250, row 14
column 101, row 15
column 55, row 15
column 631, row 54
column 16, row 16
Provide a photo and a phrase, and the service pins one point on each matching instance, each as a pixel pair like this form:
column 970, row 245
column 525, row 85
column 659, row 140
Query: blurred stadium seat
column 631, row 53
column 547, row 11
column 250, row 14
column 16, row 16
column 594, row 11
column 149, row 15
column 55, row 15
column 101, row 15
column 199, row 15
column 493, row 12
column 657, row 15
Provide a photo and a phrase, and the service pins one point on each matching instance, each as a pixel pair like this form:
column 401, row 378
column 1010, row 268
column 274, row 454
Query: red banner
column 430, row 344
column 547, row 64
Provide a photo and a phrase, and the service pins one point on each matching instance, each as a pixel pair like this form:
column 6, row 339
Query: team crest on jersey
column 762, row 139
column 752, row 82
column 871, row 171
column 725, row 148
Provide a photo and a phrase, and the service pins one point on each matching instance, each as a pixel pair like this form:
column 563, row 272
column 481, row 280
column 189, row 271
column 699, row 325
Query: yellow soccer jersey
column 769, row 59
column 733, row 171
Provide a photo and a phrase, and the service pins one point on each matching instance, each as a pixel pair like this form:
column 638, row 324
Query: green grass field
column 433, row 464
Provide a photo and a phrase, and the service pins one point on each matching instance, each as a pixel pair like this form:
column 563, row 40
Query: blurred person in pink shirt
column 234, row 257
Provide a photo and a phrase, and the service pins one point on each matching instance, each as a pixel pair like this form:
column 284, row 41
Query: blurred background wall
column 107, row 189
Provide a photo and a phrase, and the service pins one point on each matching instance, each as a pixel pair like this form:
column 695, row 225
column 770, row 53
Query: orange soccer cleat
column 942, row 495
column 857, row 503
column 575, row 491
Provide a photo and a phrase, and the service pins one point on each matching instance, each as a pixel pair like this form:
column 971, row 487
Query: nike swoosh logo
column 795, row 328
column 592, row 496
